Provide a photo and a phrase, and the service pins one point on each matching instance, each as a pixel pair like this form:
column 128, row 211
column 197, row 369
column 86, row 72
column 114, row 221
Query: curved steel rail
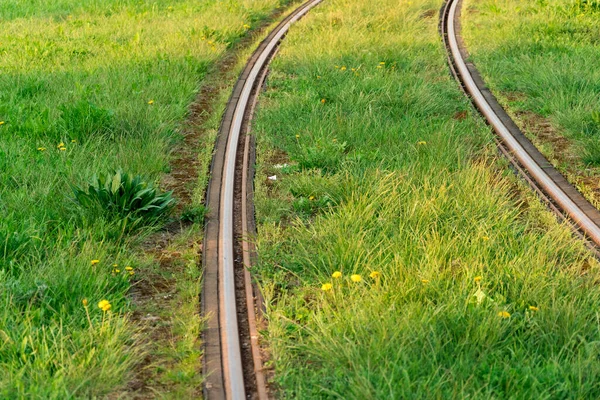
column 528, row 159
column 223, row 359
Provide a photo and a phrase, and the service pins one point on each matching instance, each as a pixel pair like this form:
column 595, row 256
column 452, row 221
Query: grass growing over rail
column 538, row 57
column 399, row 257
column 87, row 87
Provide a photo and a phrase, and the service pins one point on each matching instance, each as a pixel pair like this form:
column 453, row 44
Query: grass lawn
column 87, row 87
column 399, row 257
column 539, row 58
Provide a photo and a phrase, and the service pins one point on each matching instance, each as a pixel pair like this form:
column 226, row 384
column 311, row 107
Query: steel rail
column 551, row 182
column 224, row 359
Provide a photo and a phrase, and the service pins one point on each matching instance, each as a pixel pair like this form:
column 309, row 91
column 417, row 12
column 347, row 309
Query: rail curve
column 227, row 296
column 550, row 184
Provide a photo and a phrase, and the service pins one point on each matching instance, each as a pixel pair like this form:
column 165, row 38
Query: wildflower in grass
column 375, row 274
column 311, row 198
column 323, row 101
column 94, row 262
column 41, row 149
column 343, row 69
column 477, row 279
column 425, row 280
column 73, row 141
column 104, row 305
column 337, row 66
column 61, row 144
column 1, row 122
column 326, row 287
column 479, row 295
column 318, row 76
column 336, row 275
column 534, row 308
column 87, row 312
column 150, row 102
column 246, row 26
column 421, row 143
column 356, row 278
column 485, row 238
column 379, row 66
column 131, row 273
column 504, row 314
column 128, row 268
column 297, row 136
column 62, row 148
column 382, row 63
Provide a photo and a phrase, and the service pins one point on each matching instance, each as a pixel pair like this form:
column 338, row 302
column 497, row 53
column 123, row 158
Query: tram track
column 551, row 186
column 232, row 357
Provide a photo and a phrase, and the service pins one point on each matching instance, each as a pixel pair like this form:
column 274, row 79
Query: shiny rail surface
column 223, row 357
column 562, row 196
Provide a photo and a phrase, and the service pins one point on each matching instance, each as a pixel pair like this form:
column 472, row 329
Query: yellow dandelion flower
column 318, row 76
column 73, row 141
column 382, row 63
column 504, row 314
column 2, row 122
column 337, row 66
column 336, row 275
column 379, row 66
column 104, row 305
column 534, row 308
column 421, row 143
column 116, row 270
column 150, row 102
column 41, row 149
column 356, row 278
column 85, row 302
column 62, row 148
column 131, row 273
column 323, row 101
column 425, row 280
column 485, row 238
column 115, row 265
column 94, row 262
column 246, row 26
column 128, row 268
column 375, row 274
column 61, row 144
column 343, row 69
column 477, row 279
column 326, row 287
column 311, row 198
column 297, row 136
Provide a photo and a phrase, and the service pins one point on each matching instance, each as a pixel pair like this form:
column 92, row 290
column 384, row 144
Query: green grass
column 537, row 58
column 111, row 80
column 379, row 172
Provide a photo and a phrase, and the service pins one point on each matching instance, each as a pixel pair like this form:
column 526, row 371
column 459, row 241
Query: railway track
column 232, row 358
column 561, row 196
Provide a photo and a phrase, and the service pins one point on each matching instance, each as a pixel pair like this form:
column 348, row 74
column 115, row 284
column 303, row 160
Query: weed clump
column 123, row 197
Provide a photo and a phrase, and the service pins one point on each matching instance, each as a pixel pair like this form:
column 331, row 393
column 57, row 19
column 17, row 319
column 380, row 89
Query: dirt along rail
column 562, row 197
column 232, row 359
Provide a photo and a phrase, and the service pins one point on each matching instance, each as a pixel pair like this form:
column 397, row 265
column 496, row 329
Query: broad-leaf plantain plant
column 124, row 197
